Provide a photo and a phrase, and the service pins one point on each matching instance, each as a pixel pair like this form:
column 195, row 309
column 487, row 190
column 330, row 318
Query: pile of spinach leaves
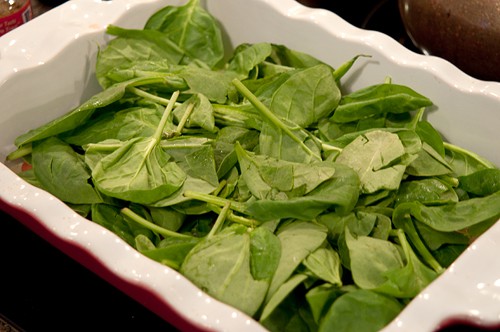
column 259, row 180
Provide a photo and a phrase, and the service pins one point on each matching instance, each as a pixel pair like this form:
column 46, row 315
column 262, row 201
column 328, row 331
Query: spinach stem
column 219, row 188
column 21, row 152
column 411, row 232
column 344, row 68
column 235, row 218
column 417, row 118
column 185, row 117
column 150, row 96
column 329, row 147
column 220, row 219
column 215, row 200
column 271, row 116
column 166, row 114
column 146, row 223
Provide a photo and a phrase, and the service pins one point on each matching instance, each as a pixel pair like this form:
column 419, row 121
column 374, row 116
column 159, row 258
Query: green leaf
column 62, row 172
column 465, row 162
column 139, row 171
column 300, row 191
column 320, row 298
column 298, row 239
column 171, row 251
column 457, row 216
column 192, row 28
column 427, row 191
column 428, row 163
column 481, row 183
column 214, row 85
column 313, row 89
column 324, row 264
column 360, row 310
column 431, row 136
column 284, row 56
column 82, row 113
column 377, row 158
column 371, row 259
column 283, row 291
column 265, row 253
column 132, row 46
column 246, row 58
column 378, row 99
column 220, row 265
column 122, row 125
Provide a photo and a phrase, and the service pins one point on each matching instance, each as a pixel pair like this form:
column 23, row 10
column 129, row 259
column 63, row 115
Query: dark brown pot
column 465, row 32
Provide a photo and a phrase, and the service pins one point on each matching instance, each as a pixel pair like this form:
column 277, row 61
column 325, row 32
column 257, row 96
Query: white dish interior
column 46, row 68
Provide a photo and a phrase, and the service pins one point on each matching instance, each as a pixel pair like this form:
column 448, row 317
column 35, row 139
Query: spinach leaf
column 121, row 125
column 109, row 216
column 377, row 157
column 132, row 46
column 293, row 190
column 280, row 131
column 265, row 253
column 171, row 251
column 344, row 315
column 324, row 264
column 139, row 170
column 378, row 99
column 312, row 88
column 62, row 172
column 192, row 28
column 214, row 85
column 464, row 162
column 197, row 112
column 220, row 265
column 428, row 191
column 284, row 56
column 320, row 298
column 431, row 136
column 298, row 239
column 246, row 58
column 82, row 113
column 456, row 216
column 428, row 163
column 481, row 183
column 279, row 296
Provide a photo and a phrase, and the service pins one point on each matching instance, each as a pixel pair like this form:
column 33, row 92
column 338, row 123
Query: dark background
column 42, row 289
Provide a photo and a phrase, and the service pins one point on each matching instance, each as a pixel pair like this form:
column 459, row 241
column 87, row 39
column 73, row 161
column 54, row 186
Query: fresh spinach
column 260, row 179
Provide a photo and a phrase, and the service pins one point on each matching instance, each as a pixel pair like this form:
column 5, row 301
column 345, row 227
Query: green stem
column 421, row 248
column 220, row 220
column 150, row 96
column 328, row 147
column 219, row 188
column 417, row 118
column 149, row 225
column 266, row 112
column 215, row 200
column 235, row 218
column 101, row 147
column 344, row 68
column 166, row 114
column 21, row 152
column 185, row 117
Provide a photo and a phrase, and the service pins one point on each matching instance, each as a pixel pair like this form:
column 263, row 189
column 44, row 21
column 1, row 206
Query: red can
column 14, row 13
